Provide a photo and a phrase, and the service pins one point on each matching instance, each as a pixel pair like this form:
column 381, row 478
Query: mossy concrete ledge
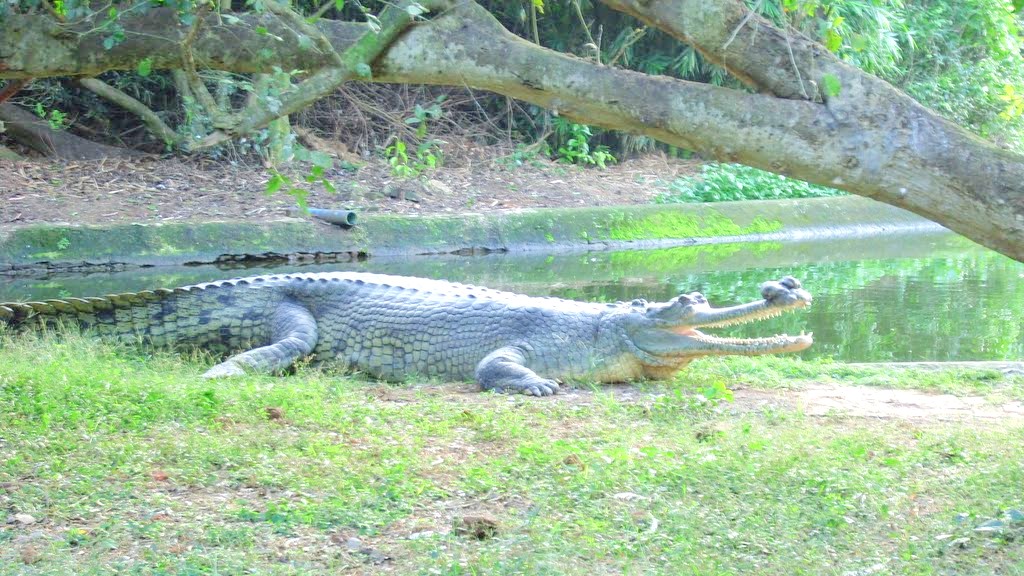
column 56, row 245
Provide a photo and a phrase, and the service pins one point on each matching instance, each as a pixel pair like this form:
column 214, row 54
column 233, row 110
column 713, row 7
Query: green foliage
column 868, row 34
column 398, row 158
column 55, row 118
column 114, row 30
column 320, row 163
column 727, row 182
column 421, row 116
column 965, row 54
column 1014, row 103
column 976, row 96
column 830, row 86
column 955, row 57
column 575, row 147
column 408, row 163
column 427, row 156
column 145, row 67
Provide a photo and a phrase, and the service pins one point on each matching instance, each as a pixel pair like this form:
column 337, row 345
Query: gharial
column 392, row 327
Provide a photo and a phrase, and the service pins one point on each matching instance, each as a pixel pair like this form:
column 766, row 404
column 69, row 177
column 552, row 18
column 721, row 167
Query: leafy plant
column 398, row 158
column 427, row 156
column 408, row 163
column 55, row 118
column 421, row 116
column 727, row 182
column 577, row 149
column 320, row 161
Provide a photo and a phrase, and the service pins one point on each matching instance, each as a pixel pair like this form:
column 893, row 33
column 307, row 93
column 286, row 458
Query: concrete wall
column 71, row 247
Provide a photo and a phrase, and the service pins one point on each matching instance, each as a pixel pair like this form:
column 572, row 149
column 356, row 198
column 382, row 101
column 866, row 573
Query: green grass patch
column 730, row 182
column 131, row 464
column 676, row 225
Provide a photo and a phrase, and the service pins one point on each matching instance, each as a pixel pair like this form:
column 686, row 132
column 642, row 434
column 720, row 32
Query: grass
column 132, row 464
column 772, row 372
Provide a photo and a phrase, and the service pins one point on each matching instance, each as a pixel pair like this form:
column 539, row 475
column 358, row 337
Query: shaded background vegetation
column 961, row 59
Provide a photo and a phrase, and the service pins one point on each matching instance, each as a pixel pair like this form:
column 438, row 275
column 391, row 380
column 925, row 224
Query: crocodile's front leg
column 293, row 335
column 504, row 370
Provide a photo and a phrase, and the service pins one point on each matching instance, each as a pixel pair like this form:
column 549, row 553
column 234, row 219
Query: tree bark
column 157, row 127
column 37, row 134
column 894, row 150
column 870, row 139
column 12, row 88
column 8, row 154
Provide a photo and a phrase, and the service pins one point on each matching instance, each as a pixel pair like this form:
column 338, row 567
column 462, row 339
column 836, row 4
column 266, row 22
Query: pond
column 913, row 297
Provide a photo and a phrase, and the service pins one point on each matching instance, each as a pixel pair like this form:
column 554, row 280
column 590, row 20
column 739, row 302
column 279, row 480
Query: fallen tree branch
column 156, row 126
column 37, row 134
column 8, row 154
column 12, row 88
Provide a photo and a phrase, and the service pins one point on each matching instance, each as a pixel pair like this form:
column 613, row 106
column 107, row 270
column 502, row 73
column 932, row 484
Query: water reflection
column 915, row 297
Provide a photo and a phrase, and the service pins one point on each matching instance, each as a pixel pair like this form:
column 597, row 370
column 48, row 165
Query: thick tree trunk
column 892, row 148
column 37, row 134
column 870, row 139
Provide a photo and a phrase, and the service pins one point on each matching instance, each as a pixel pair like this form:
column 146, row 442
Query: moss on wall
column 542, row 229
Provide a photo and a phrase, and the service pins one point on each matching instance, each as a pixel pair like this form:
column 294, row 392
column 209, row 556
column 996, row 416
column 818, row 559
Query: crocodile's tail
column 115, row 316
column 218, row 313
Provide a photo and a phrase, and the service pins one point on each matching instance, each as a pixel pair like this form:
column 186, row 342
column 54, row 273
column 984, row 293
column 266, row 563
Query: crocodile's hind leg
column 504, row 370
column 293, row 335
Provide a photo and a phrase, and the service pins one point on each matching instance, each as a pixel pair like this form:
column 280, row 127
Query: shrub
column 725, row 182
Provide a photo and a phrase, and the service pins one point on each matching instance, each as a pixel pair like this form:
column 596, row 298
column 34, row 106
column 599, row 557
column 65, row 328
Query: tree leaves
column 145, row 67
column 830, row 85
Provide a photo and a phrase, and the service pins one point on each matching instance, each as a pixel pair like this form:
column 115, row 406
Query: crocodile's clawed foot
column 532, row 387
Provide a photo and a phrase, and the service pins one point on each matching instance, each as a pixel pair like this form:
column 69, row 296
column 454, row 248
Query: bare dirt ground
column 162, row 190
column 883, row 403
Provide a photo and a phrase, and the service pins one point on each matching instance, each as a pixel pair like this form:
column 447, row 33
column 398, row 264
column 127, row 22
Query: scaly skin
column 393, row 327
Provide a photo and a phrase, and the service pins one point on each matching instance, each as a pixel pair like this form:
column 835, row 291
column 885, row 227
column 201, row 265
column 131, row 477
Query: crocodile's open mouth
column 767, row 345
column 684, row 339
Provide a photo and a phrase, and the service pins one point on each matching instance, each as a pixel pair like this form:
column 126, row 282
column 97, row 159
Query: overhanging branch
column 880, row 144
column 156, row 126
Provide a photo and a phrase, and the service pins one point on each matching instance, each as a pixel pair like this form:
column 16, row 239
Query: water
column 915, row 297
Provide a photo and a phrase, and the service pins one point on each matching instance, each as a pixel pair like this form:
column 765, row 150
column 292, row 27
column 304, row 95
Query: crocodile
column 393, row 327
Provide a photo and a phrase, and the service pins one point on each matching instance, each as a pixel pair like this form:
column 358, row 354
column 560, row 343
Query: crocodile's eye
column 790, row 282
column 693, row 298
column 639, row 303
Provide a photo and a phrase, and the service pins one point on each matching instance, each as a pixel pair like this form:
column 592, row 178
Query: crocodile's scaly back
column 220, row 316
